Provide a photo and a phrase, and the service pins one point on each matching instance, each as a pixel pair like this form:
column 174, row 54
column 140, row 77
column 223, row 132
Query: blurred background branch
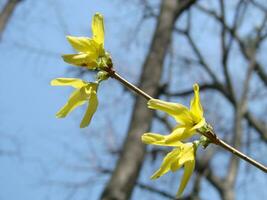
column 163, row 46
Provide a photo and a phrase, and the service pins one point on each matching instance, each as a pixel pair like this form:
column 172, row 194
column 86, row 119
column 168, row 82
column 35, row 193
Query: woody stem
column 126, row 83
column 241, row 155
column 215, row 140
column 209, row 134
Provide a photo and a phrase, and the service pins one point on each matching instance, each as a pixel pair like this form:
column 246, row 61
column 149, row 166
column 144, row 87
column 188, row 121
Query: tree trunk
column 7, row 13
column 124, row 177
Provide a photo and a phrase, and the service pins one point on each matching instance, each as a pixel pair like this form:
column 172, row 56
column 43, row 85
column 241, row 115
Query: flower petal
column 166, row 164
column 195, row 105
column 180, row 112
column 74, row 101
column 91, row 109
column 179, row 133
column 157, row 139
column 187, row 154
column 82, row 44
column 82, row 60
column 151, row 138
column 74, row 82
column 98, row 28
column 188, row 171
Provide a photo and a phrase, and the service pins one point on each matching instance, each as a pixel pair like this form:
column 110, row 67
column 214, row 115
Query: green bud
column 105, row 61
column 101, row 76
column 204, row 142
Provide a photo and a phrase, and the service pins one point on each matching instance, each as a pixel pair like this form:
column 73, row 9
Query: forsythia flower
column 182, row 155
column 91, row 50
column 85, row 92
column 189, row 119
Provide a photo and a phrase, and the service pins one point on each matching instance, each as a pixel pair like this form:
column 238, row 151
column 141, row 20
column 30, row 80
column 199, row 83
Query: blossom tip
column 98, row 14
column 196, row 87
column 154, row 177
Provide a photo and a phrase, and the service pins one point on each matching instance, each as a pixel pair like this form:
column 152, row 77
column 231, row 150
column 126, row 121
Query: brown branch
column 165, row 121
column 197, row 52
column 155, row 190
column 245, row 51
column 6, row 14
column 202, row 87
column 141, row 185
column 225, row 51
column 259, row 6
column 215, row 140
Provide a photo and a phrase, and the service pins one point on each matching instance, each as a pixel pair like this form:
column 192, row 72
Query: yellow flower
column 91, row 52
column 183, row 155
column 189, row 120
column 85, row 92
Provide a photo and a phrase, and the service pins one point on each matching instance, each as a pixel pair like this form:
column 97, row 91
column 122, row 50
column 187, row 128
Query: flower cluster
column 91, row 55
column 183, row 154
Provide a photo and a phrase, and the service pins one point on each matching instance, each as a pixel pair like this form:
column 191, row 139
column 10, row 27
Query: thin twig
column 241, row 155
column 126, row 83
column 215, row 140
column 209, row 134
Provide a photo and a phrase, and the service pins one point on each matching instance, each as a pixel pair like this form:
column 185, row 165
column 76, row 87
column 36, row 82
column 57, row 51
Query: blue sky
column 50, row 152
column 31, row 50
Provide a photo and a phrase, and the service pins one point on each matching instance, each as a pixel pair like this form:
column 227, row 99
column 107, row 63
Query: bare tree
column 7, row 13
column 237, row 123
column 124, row 177
column 239, row 99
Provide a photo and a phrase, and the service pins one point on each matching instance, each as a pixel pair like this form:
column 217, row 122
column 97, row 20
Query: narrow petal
column 157, row 139
column 175, row 165
column 98, row 28
column 74, row 101
column 187, row 154
column 166, row 164
column 82, row 60
column 188, row 171
column 180, row 112
column 74, row 82
column 195, row 105
column 81, row 44
column 151, row 138
column 91, row 109
column 180, row 133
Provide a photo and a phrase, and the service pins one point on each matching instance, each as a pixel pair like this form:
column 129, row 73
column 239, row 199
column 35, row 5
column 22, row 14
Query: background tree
column 6, row 13
column 219, row 44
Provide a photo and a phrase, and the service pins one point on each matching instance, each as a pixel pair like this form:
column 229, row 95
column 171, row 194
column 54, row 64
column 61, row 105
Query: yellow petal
column 188, row 171
column 74, row 101
column 82, row 60
column 166, row 164
column 195, row 105
column 175, row 166
column 91, row 109
column 180, row 112
column 74, row 82
column 82, row 44
column 187, row 153
column 157, row 139
column 151, row 138
column 98, row 28
column 180, row 133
